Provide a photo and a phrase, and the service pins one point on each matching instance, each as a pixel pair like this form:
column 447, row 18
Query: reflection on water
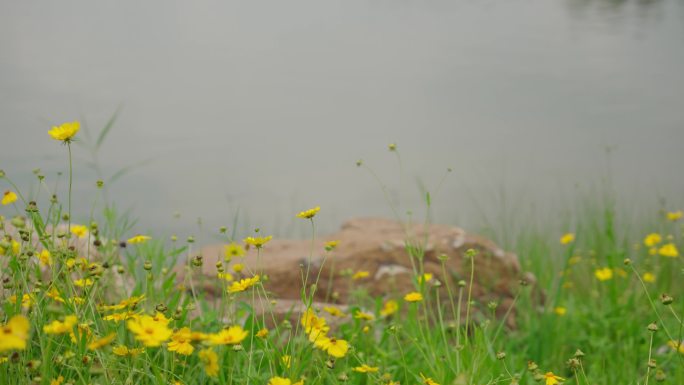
column 257, row 110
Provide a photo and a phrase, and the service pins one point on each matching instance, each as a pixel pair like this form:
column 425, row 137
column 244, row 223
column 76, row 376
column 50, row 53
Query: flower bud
column 652, row 327
column 148, row 265
column 500, row 355
column 666, row 299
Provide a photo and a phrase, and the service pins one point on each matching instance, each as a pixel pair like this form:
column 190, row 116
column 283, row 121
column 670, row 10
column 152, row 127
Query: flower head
column 310, row 213
column 8, row 197
column 14, row 333
column 675, row 215
column 360, row 275
column 390, row 308
column 59, row 327
column 101, row 342
column 234, row 250
column 552, row 379
column 257, row 242
column 181, row 342
column 151, row 331
column 668, row 250
column 79, row 230
column 210, row 360
column 413, row 297
column 428, row 380
column 567, row 238
column 604, row 274
column 365, row 369
column 243, row 284
column 652, row 239
column 138, row 239
column 65, row 132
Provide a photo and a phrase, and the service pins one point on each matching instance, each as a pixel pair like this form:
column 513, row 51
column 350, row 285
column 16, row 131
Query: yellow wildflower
column 286, row 360
column 668, row 250
column 263, row 333
column 428, row 380
column 243, row 284
column 335, row 347
column 58, row 327
column 234, row 250
column 552, row 379
column 104, row 341
column 149, row 331
column 366, row 369
column 83, row 282
column 138, row 239
column 117, row 317
column 390, row 308
column 678, row 346
column 364, row 316
column 427, row 277
column 310, row 213
column 283, row 381
column 26, row 300
column 652, row 239
column 560, row 310
column 210, row 360
column 314, row 324
column 604, row 274
column 413, row 297
column 14, row 333
column 129, row 302
column 54, row 294
column 567, row 238
column 65, row 132
column 238, row 267
column 257, row 242
column 8, row 197
column 57, row 381
column 226, row 276
column 45, row 258
column 79, row 230
column 675, row 215
column 331, row 245
column 181, row 342
column 231, row 336
column 360, row 275
column 122, row 350
column 333, row 311
column 648, row 277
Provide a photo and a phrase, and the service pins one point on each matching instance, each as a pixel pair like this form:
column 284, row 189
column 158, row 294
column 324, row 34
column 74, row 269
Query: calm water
column 263, row 107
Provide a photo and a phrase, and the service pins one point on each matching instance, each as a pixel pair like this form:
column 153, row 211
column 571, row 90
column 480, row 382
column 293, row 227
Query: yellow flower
column 117, row 317
column 390, row 308
column 364, row 316
column 552, row 379
column 333, row 346
column 130, row 302
column 331, row 245
column 428, row 380
column 83, row 282
column 427, row 277
column 560, row 310
column 314, row 325
column 238, row 267
column 79, row 230
column 283, row 381
column 15, row 248
column 234, row 250
column 227, row 276
column 678, row 346
column 65, row 132
column 675, row 215
column 310, row 213
column 54, row 294
column 104, row 341
column 604, row 274
column 648, row 277
column 122, row 350
column 210, row 360
column 231, row 336
column 243, row 284
column 668, row 250
column 26, row 300
column 413, row 297
column 8, row 197
column 263, row 333
column 365, row 369
column 360, row 275
column 181, row 342
column 333, row 311
column 652, row 239
column 138, row 239
column 257, row 242
column 14, row 333
column 567, row 238
column 45, row 258
column 287, row 360
column 57, row 381
column 57, row 327
column 148, row 330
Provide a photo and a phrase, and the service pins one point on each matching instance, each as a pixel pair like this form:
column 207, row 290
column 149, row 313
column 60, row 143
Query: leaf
column 127, row 169
column 107, row 128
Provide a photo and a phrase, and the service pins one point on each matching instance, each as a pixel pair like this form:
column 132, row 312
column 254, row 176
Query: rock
column 378, row 246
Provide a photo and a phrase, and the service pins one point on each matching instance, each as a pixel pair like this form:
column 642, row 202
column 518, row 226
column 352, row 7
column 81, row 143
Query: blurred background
column 243, row 113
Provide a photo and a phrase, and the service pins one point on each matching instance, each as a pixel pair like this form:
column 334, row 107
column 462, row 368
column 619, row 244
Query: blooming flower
column 331, row 245
column 674, row 215
column 428, row 380
column 117, row 317
column 124, row 303
column 57, row 381
column 333, row 311
column 413, row 297
column 648, row 277
column 652, row 239
column 263, row 333
column 427, row 277
column 14, row 333
column 58, row 327
column 243, row 284
column 233, row 250
column 310, row 213
column 83, row 282
column 567, row 238
column 363, row 315
column 678, row 346
column 8, row 197
column 104, row 341
column 668, row 250
column 390, row 308
column 122, row 350
column 360, row 275
column 257, row 242
column 65, row 132
column 335, row 347
column 560, row 310
column 181, row 342
column 552, row 379
column 365, row 369
column 238, row 267
column 150, row 331
column 79, row 230
column 138, row 239
column 283, row 381
column 45, row 258
column 604, row 274
column 231, row 336
column 210, row 360
column 314, row 325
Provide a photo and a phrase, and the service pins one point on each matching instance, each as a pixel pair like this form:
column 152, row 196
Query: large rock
column 378, row 246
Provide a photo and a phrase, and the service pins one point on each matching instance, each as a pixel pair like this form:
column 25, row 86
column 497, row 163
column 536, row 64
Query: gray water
column 261, row 108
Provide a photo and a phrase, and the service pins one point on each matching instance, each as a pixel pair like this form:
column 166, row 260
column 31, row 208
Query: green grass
column 606, row 320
